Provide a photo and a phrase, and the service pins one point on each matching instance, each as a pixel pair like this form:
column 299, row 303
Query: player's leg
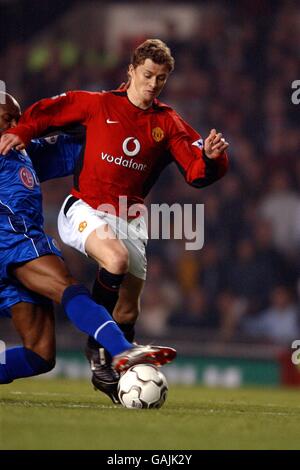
column 105, row 292
column 94, row 234
column 36, row 327
column 104, row 377
column 48, row 276
column 88, row 231
column 128, row 306
column 112, row 255
column 133, row 236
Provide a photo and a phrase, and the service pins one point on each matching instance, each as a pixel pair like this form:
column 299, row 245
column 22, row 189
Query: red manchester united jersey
column 126, row 147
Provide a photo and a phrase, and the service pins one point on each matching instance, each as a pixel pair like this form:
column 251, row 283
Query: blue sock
column 93, row 319
column 22, row 362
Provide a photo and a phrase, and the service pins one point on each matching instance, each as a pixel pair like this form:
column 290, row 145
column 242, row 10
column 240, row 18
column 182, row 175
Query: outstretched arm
column 68, row 108
column 202, row 163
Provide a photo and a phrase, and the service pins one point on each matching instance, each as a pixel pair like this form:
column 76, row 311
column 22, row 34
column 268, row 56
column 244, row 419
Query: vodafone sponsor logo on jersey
column 131, row 147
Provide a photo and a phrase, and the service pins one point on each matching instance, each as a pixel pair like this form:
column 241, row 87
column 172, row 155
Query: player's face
column 9, row 116
column 147, row 81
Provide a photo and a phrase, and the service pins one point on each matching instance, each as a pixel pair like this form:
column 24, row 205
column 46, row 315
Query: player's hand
column 215, row 144
column 9, row 141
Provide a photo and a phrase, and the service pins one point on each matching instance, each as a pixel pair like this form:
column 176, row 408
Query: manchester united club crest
column 82, row 226
column 157, row 134
column 27, row 177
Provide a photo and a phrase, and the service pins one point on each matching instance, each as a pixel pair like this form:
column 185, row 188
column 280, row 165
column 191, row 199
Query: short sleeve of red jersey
column 67, row 108
column 186, row 148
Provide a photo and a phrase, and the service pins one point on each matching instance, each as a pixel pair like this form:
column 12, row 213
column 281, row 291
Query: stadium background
column 232, row 308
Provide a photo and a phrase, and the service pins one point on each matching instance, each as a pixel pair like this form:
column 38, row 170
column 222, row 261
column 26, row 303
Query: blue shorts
column 13, row 293
column 20, row 242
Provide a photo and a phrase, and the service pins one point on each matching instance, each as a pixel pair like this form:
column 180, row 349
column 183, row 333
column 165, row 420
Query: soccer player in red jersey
column 130, row 138
column 30, row 263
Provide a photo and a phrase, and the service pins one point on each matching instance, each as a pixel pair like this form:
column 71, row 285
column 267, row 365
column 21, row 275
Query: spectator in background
column 272, row 265
column 232, row 211
column 279, row 323
column 212, row 272
column 158, row 301
column 243, row 278
column 194, row 311
column 230, row 309
column 281, row 206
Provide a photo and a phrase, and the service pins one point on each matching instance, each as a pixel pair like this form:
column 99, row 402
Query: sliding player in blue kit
column 32, row 271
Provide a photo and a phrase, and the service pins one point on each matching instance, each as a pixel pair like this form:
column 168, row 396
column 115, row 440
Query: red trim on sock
column 106, row 287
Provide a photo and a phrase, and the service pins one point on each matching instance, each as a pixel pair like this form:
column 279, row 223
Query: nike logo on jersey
column 111, row 122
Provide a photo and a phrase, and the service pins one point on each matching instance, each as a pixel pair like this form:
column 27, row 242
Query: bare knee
column 116, row 261
column 111, row 253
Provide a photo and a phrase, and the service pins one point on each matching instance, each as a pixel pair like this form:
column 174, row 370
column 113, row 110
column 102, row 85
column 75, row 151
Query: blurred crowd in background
column 234, row 73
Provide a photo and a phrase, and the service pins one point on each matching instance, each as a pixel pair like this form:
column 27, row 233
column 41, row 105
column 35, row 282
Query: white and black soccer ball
column 143, row 386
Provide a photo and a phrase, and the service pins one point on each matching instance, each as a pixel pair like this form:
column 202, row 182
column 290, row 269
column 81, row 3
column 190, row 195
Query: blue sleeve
column 56, row 156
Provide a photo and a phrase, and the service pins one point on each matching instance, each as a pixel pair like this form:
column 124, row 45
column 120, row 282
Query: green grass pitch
column 68, row 414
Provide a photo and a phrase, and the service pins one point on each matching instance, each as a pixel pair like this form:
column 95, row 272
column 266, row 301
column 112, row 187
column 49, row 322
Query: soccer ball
column 143, row 386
